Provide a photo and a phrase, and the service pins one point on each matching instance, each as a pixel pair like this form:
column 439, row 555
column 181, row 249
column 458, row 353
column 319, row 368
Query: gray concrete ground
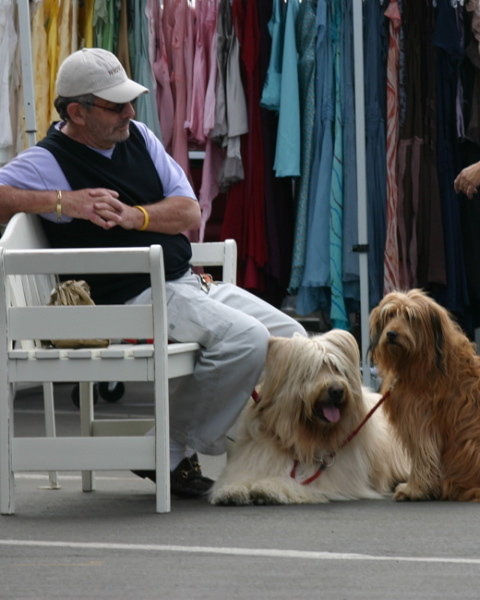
column 110, row 544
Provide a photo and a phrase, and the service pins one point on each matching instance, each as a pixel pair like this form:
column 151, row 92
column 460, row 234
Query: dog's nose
column 335, row 393
column 391, row 335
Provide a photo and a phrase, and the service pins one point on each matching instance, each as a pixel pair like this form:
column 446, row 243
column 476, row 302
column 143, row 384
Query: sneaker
column 186, row 480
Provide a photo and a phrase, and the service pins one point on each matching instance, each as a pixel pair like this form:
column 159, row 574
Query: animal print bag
column 74, row 293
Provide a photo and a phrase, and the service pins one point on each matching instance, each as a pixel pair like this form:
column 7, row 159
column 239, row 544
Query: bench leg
column 50, row 429
column 7, row 481
column 86, row 418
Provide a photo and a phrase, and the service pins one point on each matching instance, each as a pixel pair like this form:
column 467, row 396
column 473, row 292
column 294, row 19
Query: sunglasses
column 116, row 108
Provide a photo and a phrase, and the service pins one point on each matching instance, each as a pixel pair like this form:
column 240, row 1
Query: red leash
column 256, row 396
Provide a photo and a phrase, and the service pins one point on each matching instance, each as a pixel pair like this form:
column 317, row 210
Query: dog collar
column 327, row 461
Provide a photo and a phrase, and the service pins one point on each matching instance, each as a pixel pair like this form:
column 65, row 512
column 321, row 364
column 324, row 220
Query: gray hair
column 61, row 103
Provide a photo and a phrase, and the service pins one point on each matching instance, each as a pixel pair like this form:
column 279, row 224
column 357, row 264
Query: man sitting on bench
column 101, row 179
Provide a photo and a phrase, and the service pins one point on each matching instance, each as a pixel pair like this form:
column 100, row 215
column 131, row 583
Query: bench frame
column 28, row 268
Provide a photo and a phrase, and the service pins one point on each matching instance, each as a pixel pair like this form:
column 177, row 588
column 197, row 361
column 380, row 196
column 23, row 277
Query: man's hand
column 468, row 180
column 171, row 215
column 98, row 205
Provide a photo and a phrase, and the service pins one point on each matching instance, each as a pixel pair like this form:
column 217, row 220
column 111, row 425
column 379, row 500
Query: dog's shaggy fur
column 311, row 399
column 435, row 399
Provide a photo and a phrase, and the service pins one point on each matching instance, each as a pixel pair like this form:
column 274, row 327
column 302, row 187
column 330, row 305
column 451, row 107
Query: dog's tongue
column 331, row 413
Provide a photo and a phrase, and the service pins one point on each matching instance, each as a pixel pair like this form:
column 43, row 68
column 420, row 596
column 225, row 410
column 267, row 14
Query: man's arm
column 14, row 200
column 101, row 206
column 171, row 215
column 80, row 204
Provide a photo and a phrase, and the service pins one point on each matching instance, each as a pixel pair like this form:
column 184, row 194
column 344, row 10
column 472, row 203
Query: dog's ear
column 345, row 343
column 439, row 338
column 276, row 348
column 375, row 330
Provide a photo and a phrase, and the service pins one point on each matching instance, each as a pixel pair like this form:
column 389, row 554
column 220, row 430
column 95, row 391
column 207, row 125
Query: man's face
column 107, row 123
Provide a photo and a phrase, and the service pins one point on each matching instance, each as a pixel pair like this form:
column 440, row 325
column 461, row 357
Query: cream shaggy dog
column 288, row 446
column 434, row 405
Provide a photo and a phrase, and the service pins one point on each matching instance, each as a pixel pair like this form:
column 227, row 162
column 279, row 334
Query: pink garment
column 214, row 155
column 212, row 165
column 200, row 71
column 211, row 34
column 161, row 72
column 189, row 54
column 175, row 19
column 392, row 279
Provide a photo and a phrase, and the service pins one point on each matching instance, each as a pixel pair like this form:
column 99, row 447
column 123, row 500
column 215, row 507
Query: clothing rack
column 27, row 70
column 362, row 246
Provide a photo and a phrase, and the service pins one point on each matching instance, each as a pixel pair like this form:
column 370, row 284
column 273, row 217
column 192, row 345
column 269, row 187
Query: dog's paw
column 230, row 496
column 260, row 498
column 405, row 492
column 272, row 491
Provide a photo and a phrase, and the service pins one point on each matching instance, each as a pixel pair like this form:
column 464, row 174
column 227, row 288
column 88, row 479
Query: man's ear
column 76, row 113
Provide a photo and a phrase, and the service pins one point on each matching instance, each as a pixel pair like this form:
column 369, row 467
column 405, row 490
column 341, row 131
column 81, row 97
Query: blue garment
column 338, row 313
column 306, row 35
column 313, row 275
column 313, row 293
column 287, row 152
column 271, row 88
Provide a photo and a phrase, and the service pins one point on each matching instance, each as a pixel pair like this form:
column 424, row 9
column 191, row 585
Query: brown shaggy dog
column 434, row 373
column 311, row 400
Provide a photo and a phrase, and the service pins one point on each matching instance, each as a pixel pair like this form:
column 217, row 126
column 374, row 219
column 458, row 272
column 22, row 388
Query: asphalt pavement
column 110, row 544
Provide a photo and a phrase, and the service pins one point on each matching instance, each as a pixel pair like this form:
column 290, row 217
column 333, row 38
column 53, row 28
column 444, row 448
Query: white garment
column 232, row 327
column 8, row 43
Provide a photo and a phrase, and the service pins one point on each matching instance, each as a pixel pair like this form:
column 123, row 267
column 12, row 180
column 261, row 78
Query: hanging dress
column 338, row 313
column 165, row 106
column 310, row 273
column 391, row 264
column 307, row 36
column 279, row 200
column 214, row 155
column 351, row 279
column 8, row 44
column 287, row 152
column 174, row 23
column 105, row 24
column 375, row 150
column 194, row 121
column 448, row 40
column 271, row 86
column 245, row 210
column 141, row 64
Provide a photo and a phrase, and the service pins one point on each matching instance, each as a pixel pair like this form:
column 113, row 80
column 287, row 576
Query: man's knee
column 295, row 328
column 249, row 344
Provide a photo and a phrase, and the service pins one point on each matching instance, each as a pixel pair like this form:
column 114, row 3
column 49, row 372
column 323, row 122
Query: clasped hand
column 101, row 206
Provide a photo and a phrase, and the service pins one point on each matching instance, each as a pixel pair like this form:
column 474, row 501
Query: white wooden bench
column 28, row 268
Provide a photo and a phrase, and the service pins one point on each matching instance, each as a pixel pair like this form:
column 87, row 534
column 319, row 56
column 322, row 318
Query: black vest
column 131, row 172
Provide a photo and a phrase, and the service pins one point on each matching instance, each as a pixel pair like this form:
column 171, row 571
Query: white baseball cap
column 99, row 72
